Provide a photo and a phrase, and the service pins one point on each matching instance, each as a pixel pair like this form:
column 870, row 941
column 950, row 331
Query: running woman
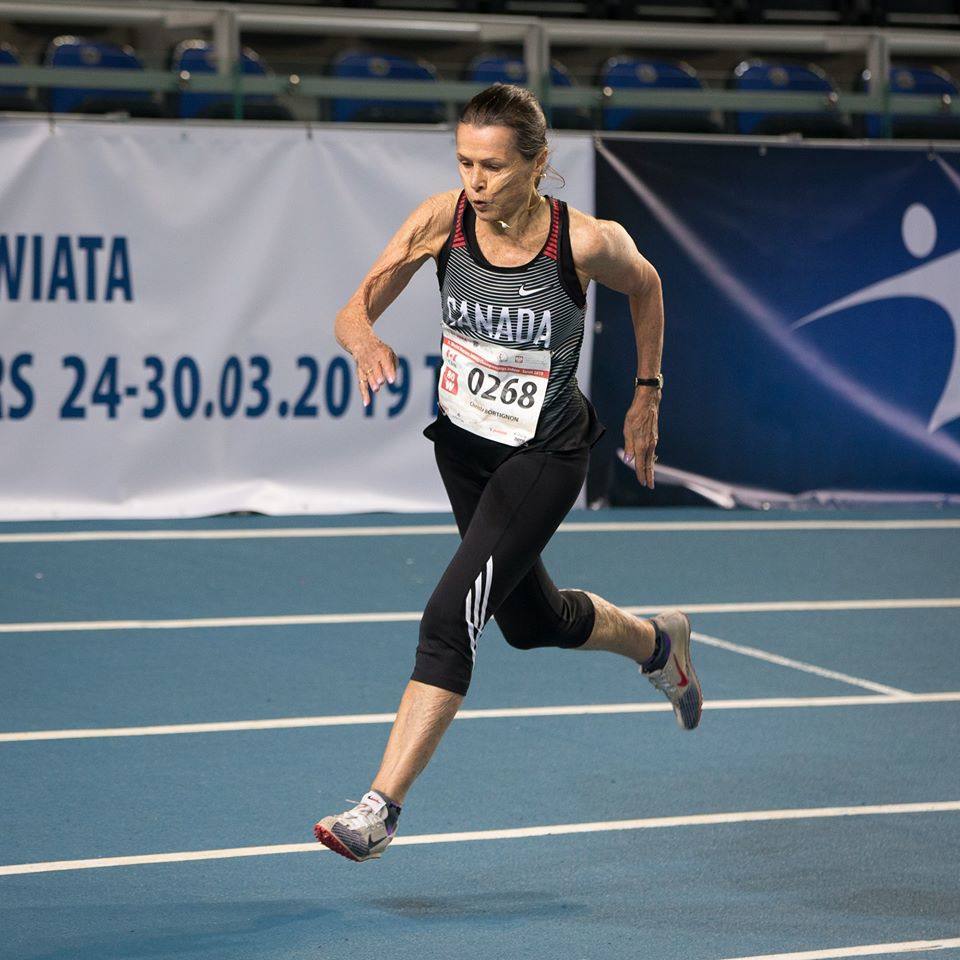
column 514, row 432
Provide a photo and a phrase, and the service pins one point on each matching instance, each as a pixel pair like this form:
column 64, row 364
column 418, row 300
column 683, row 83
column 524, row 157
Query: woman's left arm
column 610, row 257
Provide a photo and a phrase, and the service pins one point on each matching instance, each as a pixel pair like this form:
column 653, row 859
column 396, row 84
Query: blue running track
column 208, row 689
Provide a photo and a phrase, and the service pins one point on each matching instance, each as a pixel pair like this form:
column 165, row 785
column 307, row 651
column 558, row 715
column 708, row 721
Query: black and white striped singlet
column 539, row 305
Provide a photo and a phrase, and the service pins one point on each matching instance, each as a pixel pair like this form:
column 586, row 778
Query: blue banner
column 812, row 299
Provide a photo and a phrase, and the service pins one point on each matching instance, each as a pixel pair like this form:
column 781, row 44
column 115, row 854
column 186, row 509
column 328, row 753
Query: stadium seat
column 13, row 98
column 77, row 53
column 644, row 73
column 379, row 66
column 492, row 68
column 197, row 56
column 931, row 81
column 766, row 75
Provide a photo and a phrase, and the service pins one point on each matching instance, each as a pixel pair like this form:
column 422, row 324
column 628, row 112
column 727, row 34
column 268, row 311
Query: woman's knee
column 525, row 633
column 445, row 653
column 569, row 627
column 529, row 637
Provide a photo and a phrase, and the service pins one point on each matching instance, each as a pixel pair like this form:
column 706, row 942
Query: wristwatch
column 656, row 381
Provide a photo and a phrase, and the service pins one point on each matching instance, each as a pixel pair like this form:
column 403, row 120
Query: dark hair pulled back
column 507, row 105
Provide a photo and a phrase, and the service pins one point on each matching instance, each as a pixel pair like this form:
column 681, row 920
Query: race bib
column 493, row 391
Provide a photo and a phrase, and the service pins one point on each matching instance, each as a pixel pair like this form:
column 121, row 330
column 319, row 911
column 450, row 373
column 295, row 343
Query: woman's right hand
column 376, row 363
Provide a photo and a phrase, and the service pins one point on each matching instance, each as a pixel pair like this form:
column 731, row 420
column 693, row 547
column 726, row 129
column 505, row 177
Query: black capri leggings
column 506, row 517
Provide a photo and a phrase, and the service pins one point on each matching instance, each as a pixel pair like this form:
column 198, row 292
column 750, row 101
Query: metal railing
column 228, row 23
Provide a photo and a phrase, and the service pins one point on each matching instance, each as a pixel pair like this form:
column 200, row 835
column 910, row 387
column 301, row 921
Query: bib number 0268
column 493, row 390
column 487, row 385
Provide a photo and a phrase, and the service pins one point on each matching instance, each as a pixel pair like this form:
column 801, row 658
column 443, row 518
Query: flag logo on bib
column 504, row 391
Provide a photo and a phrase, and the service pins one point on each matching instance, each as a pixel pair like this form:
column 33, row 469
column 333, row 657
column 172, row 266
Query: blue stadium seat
column 77, row 53
column 490, row 68
column 380, row 66
column 198, row 57
column 931, row 81
column 645, row 73
column 13, row 98
column 766, row 75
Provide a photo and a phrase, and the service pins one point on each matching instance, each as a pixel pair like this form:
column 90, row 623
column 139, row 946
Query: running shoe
column 363, row 832
column 676, row 679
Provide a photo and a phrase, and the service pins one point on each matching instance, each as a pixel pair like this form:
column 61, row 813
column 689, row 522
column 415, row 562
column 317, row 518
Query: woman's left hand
column 640, row 433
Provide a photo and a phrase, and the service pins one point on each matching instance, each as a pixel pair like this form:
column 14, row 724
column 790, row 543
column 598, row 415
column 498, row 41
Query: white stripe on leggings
column 475, row 608
column 486, row 592
column 477, row 594
column 467, row 617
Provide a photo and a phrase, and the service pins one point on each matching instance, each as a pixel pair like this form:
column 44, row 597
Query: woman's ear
column 541, row 168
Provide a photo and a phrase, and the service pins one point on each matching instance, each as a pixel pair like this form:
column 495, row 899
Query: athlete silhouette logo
column 936, row 280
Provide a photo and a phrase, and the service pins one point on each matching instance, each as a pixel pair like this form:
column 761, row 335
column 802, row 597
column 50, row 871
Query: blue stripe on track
column 192, row 677
column 913, row 649
column 721, row 891
column 179, row 579
column 151, row 794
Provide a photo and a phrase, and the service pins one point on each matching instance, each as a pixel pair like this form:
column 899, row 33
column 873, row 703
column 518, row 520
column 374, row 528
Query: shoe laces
column 660, row 680
column 363, row 815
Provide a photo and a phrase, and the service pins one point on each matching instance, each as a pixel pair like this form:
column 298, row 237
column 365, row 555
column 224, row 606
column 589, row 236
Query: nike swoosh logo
column 524, row 292
column 683, row 677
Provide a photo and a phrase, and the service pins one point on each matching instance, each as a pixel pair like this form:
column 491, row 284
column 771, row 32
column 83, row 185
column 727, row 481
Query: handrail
column 458, row 91
column 121, row 14
column 730, row 36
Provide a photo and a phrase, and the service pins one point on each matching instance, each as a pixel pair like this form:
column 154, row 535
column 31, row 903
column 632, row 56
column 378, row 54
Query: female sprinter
column 514, row 431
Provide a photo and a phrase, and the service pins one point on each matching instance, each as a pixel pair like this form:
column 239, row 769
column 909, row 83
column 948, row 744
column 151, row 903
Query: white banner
column 167, row 298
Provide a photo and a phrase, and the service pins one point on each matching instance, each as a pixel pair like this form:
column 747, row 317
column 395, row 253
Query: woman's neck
column 522, row 222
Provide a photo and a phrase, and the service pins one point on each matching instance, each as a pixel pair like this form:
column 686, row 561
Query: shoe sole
column 332, row 842
column 686, row 664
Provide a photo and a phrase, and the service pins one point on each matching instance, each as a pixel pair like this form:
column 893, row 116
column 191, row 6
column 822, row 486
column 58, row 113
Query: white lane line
column 866, row 950
column 203, row 623
column 309, row 619
column 254, row 533
column 798, row 665
column 495, row 713
column 434, row 529
column 803, row 606
column 514, row 833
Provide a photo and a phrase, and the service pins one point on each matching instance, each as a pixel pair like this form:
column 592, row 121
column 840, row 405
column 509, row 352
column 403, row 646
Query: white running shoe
column 677, row 679
column 362, row 833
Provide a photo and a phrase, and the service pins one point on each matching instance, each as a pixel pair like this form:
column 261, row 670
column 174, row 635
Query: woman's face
column 498, row 180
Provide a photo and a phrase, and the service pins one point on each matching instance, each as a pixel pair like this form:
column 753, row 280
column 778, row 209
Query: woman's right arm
column 422, row 236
